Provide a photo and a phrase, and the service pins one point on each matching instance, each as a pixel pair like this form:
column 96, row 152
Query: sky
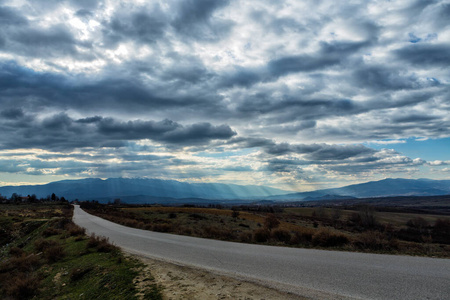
column 298, row 95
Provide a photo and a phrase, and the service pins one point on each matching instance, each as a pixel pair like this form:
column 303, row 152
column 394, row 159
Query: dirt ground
column 181, row 282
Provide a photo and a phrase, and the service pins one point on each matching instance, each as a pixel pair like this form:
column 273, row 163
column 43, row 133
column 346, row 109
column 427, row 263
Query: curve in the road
column 302, row 271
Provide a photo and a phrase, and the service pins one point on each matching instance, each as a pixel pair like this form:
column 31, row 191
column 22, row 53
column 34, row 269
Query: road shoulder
column 182, row 282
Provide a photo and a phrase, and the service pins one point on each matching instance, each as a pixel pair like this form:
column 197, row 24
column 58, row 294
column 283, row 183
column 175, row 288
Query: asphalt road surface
column 312, row 273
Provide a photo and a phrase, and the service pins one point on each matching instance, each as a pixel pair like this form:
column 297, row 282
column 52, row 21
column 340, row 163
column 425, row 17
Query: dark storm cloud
column 193, row 19
column 329, row 54
column 62, row 132
column 435, row 55
column 11, row 17
column 22, row 86
column 20, row 37
column 88, row 120
column 380, row 79
column 146, row 25
column 165, row 131
column 413, row 118
column 12, row 113
column 296, row 108
column 320, row 152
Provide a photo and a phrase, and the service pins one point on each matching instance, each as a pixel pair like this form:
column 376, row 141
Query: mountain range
column 390, row 187
column 142, row 190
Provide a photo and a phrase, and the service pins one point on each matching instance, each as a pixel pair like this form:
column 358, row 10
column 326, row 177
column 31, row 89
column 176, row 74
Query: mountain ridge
column 94, row 188
column 150, row 190
column 381, row 188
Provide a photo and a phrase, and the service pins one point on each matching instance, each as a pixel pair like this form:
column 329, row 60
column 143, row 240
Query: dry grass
column 359, row 230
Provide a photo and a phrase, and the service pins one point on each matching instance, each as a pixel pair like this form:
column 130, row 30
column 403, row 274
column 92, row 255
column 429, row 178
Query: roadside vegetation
column 361, row 228
column 44, row 255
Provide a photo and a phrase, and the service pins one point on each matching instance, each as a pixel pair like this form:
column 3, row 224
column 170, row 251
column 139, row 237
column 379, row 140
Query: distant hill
column 140, row 190
column 383, row 188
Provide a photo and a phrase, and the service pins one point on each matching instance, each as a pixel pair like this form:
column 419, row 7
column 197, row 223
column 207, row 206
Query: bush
column 54, row 253
column 101, row 243
column 162, row 227
column 75, row 230
column 261, row 235
column 78, row 273
column 218, row 233
column 245, row 237
column 327, row 238
column 42, row 244
column 441, row 231
column 16, row 251
column 51, row 231
column 302, row 237
column 22, row 264
column 374, row 240
column 281, row 235
column 365, row 217
column 22, row 286
column 271, row 222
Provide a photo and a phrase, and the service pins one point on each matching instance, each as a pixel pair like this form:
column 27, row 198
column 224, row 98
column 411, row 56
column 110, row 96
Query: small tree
column 15, row 197
column 117, row 201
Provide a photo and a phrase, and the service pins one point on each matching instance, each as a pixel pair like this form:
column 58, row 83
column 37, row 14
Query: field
column 44, row 255
column 361, row 228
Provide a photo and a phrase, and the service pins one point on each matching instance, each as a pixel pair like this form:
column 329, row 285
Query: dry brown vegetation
column 361, row 228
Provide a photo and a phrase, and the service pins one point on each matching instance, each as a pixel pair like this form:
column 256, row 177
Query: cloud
column 434, row 55
column 294, row 89
column 60, row 131
column 193, row 19
column 144, row 24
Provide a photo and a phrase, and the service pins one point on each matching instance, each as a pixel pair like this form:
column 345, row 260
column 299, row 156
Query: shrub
column 197, row 217
column 261, row 235
column 22, row 286
column 302, row 237
column 78, row 273
column 50, row 231
column 54, row 253
column 172, row 215
column 16, row 251
column 218, row 233
column 365, row 217
column 281, row 235
column 22, row 264
column 374, row 240
column 162, row 227
column 75, row 230
column 271, row 222
column 327, row 238
column 245, row 237
column 441, row 231
column 42, row 244
column 101, row 243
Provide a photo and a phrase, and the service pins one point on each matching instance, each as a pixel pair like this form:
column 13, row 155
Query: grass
column 45, row 256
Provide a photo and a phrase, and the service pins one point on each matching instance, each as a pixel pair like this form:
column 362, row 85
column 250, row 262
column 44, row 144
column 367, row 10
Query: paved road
column 315, row 273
